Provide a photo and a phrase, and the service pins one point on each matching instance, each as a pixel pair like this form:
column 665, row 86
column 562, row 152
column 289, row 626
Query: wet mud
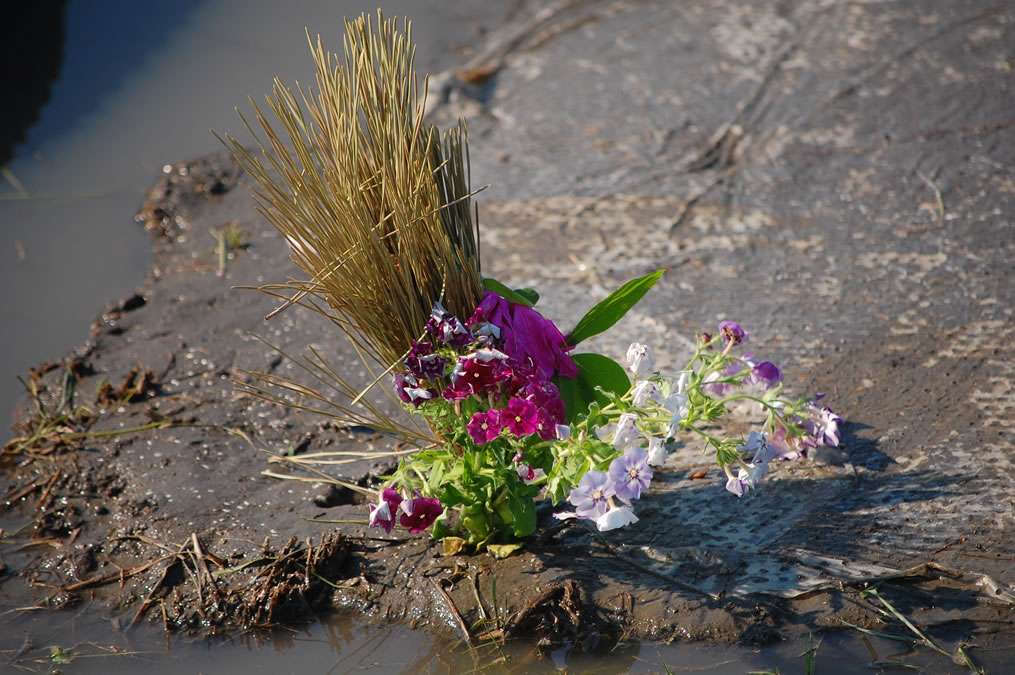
column 836, row 177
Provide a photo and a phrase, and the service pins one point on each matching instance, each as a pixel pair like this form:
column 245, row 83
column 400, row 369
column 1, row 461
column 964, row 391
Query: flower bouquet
column 502, row 411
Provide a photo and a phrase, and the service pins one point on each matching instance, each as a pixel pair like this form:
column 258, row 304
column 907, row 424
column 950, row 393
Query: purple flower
column 382, row 513
column 591, row 498
column 630, row 473
column 828, row 423
column 419, row 513
column 767, row 374
column 527, row 335
column 618, row 516
column 730, row 331
column 484, row 426
column 520, row 417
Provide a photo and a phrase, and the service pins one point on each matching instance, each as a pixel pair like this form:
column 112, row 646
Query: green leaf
column 529, row 294
column 610, row 309
column 594, row 370
column 524, row 512
column 522, row 296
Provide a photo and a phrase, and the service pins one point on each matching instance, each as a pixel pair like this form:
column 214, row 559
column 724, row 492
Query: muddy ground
column 836, row 176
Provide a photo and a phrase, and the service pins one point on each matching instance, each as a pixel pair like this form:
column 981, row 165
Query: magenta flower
column 520, row 417
column 382, row 514
column 527, row 335
column 484, row 426
column 546, row 425
column 730, row 331
column 481, row 376
column 630, row 473
column 419, row 513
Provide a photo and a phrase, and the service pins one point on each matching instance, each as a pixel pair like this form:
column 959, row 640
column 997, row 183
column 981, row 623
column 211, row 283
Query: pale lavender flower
column 618, row 516
column 759, row 445
column 627, row 431
column 591, row 498
column 747, row 478
column 643, row 392
column 639, row 359
column 563, row 432
column 630, row 473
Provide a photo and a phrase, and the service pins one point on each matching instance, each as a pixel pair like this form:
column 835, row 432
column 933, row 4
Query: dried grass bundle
column 374, row 203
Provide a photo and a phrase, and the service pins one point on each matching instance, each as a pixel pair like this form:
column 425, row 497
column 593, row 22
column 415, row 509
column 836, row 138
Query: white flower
column 656, row 452
column 627, row 431
column 643, row 392
column 639, row 359
column 418, row 392
column 381, row 512
column 563, row 432
column 753, row 474
column 487, row 355
column 618, row 516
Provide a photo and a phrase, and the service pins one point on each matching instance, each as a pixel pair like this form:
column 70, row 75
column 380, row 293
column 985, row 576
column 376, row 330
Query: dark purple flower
column 382, row 514
column 520, row 417
column 767, row 374
column 419, row 513
column 591, row 498
column 448, row 329
column 730, row 331
column 409, row 390
column 484, row 426
column 423, row 363
column 630, row 473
